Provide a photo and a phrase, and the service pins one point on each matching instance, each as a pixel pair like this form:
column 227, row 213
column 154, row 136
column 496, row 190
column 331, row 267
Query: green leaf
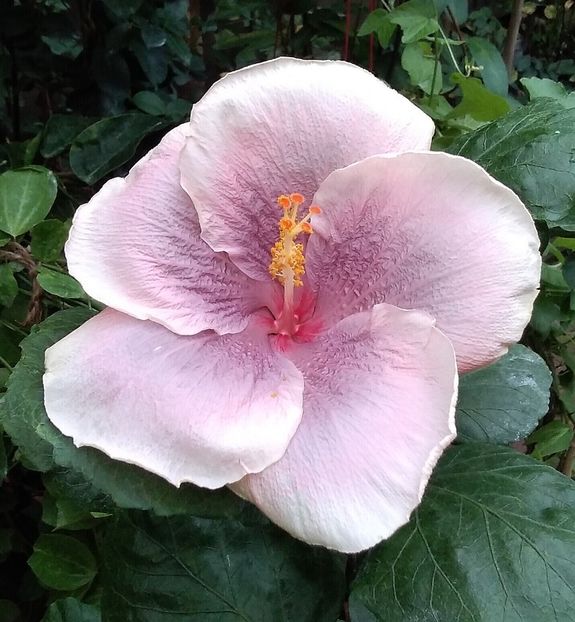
column 48, row 239
column 378, row 22
column 493, row 541
column 86, row 475
column 62, row 513
column 503, row 403
column 59, row 284
column 8, row 286
column 487, row 56
column 107, row 144
column 416, row 18
column 531, row 151
column 72, row 610
column 20, row 153
column 153, row 36
column 67, row 44
column 149, row 102
column 226, row 570
column 62, row 562
column 551, row 438
column 419, row 62
column 568, row 270
column 26, row 196
column 553, row 278
column 544, row 87
column 478, row 102
column 60, row 131
column 4, row 239
column 546, row 316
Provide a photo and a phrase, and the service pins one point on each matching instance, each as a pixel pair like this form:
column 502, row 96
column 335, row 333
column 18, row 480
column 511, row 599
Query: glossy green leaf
column 72, row 610
column 26, row 196
column 8, row 285
column 423, row 69
column 503, row 403
column 48, row 239
column 477, row 101
column 149, row 102
column 532, row 151
column 227, row 570
column 59, row 284
column 493, row 70
column 551, row 438
column 86, row 475
column 416, row 18
column 60, row 131
column 153, row 36
column 62, row 562
column 109, row 143
column 493, row 541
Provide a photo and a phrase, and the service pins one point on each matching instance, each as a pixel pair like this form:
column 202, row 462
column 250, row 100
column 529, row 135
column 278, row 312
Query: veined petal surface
column 427, row 231
column 280, row 127
column 204, row 408
column 136, row 247
column 380, row 390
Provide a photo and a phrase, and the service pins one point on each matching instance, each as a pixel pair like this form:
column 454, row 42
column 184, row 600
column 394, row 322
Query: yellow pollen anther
column 286, row 223
column 287, row 254
column 284, row 201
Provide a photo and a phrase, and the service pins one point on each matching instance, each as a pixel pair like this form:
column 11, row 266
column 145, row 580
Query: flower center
column 288, row 260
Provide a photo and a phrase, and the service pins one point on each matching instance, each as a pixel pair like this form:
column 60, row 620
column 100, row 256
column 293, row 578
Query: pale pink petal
column 378, row 411
column 280, row 127
column 427, row 231
column 136, row 247
column 204, row 408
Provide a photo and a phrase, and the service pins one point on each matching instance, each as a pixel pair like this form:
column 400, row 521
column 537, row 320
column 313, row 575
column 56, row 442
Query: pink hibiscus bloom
column 304, row 352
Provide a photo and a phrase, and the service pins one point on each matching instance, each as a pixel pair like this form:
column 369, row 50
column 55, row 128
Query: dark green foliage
column 503, row 403
column 489, row 542
column 226, row 569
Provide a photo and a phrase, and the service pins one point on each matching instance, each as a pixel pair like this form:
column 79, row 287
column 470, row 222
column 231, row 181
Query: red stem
column 347, row 29
column 371, row 63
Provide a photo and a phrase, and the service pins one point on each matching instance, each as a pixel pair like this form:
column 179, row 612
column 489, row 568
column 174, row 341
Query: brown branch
column 16, row 252
column 512, row 35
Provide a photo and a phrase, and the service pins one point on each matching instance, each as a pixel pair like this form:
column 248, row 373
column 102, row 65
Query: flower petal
column 378, row 411
column 205, row 408
column 136, row 247
column 427, row 231
column 280, row 127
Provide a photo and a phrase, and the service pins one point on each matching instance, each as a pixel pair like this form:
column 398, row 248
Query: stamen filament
column 288, row 261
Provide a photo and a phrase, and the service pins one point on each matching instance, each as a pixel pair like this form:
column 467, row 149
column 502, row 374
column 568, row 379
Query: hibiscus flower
column 292, row 283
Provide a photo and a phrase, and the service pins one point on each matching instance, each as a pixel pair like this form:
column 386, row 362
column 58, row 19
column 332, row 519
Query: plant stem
column 512, row 34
